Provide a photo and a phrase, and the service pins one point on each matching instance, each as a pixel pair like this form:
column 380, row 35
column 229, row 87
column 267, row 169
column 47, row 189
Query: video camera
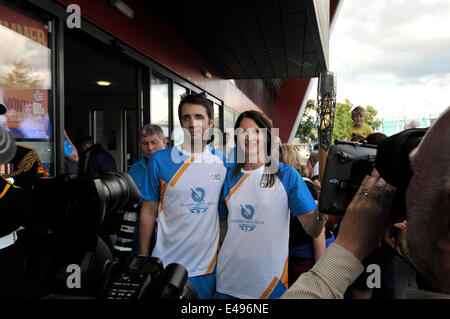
column 349, row 162
column 63, row 217
column 74, row 221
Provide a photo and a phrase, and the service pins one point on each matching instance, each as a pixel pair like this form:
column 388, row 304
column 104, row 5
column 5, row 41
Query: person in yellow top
column 359, row 127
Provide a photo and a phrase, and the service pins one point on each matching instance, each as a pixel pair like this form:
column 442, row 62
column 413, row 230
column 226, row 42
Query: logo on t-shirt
column 198, row 194
column 247, row 211
column 247, row 224
column 198, row 206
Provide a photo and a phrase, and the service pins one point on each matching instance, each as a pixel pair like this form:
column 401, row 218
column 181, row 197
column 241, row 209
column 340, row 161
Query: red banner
column 27, row 27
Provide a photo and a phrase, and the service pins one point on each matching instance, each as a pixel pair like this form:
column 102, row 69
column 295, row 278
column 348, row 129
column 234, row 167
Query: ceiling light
column 103, row 83
column 123, row 8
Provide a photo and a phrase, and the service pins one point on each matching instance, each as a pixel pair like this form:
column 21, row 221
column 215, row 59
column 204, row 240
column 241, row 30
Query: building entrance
column 101, row 98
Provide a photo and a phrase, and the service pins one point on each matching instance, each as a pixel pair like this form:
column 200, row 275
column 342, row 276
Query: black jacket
column 18, row 203
column 99, row 161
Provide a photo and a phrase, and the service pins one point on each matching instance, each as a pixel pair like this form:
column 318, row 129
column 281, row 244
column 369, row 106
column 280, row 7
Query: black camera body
column 347, row 165
column 349, row 162
column 146, row 278
column 65, row 216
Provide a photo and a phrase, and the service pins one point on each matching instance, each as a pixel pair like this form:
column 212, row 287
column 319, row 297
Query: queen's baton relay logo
column 198, row 195
column 248, row 223
column 198, row 206
column 247, row 211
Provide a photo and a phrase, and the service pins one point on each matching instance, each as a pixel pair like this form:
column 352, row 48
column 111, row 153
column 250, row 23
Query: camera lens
column 119, row 192
column 393, row 156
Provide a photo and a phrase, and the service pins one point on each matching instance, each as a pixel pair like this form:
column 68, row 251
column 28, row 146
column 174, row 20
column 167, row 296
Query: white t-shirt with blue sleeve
column 253, row 259
column 187, row 187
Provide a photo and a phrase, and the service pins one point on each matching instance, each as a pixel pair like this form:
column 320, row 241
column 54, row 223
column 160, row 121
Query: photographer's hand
column 400, row 237
column 366, row 216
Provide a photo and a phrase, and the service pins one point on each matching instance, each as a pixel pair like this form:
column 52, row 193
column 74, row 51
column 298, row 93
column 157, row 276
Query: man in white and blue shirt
column 181, row 188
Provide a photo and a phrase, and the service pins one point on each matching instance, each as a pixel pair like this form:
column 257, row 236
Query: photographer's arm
column 149, row 211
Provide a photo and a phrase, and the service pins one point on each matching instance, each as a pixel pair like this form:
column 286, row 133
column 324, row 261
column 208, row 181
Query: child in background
column 359, row 127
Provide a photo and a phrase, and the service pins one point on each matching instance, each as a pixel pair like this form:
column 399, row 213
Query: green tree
column 343, row 119
column 371, row 119
column 308, row 123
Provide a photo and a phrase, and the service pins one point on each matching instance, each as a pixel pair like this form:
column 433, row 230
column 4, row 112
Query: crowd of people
column 276, row 243
column 276, row 239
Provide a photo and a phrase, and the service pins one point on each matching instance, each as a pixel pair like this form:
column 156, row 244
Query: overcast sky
column 393, row 55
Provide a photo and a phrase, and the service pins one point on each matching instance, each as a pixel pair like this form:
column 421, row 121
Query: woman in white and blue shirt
column 257, row 197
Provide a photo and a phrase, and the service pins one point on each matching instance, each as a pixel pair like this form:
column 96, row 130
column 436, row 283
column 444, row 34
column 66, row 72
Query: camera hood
column 392, row 157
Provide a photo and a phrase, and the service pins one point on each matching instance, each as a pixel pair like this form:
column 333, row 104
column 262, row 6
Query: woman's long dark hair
column 263, row 122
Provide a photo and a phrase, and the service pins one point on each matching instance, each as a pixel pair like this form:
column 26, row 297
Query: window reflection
column 97, row 130
column 178, row 90
column 229, row 118
column 25, row 75
column 218, row 138
column 25, row 81
column 159, row 103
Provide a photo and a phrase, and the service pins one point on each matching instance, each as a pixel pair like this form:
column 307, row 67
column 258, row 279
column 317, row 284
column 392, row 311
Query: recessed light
column 103, row 83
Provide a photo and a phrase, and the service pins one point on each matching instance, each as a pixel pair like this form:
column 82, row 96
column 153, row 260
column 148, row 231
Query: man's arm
column 149, row 211
column 72, row 157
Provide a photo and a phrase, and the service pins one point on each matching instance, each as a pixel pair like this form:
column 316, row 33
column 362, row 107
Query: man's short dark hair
column 86, row 140
column 196, row 98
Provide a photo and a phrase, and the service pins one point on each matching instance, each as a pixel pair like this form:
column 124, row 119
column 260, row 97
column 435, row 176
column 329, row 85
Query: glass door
column 159, row 99
column 130, row 136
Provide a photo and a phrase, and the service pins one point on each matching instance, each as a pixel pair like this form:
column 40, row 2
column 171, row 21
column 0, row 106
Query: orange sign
column 27, row 27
